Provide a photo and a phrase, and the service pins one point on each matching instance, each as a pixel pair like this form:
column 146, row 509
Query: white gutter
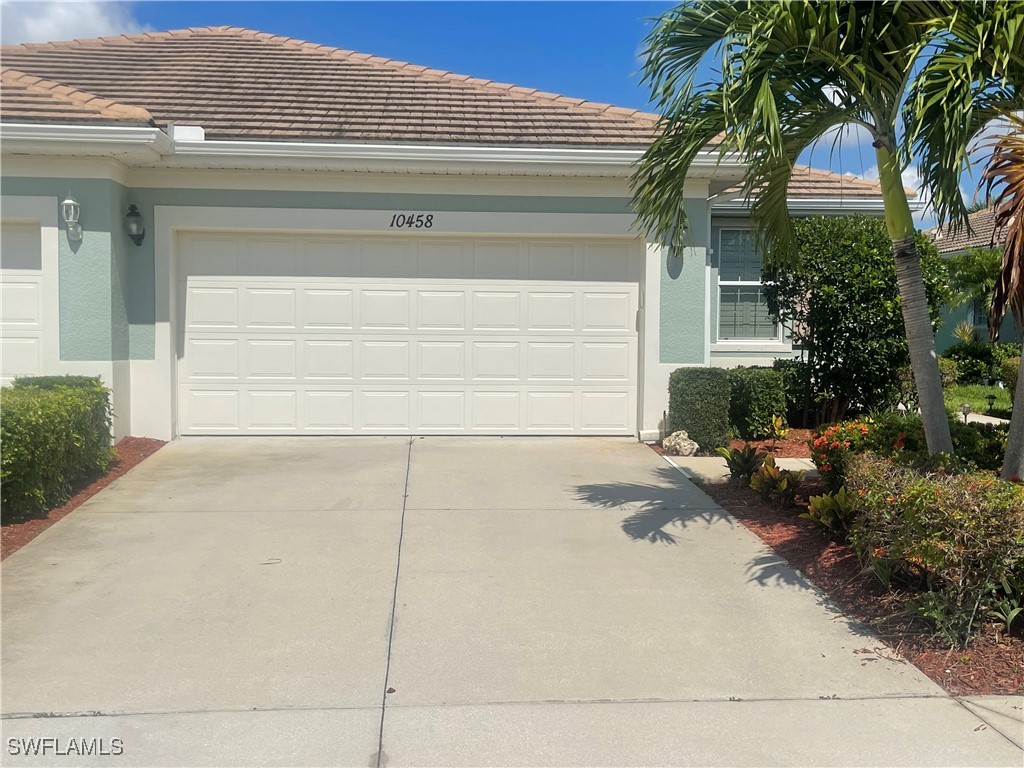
column 445, row 154
column 184, row 148
column 26, row 137
column 817, row 205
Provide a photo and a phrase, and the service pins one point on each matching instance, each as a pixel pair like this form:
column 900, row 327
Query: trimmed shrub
column 796, row 385
column 956, row 537
column 698, row 402
column 1010, row 371
column 949, row 372
column 978, row 361
column 757, row 398
column 51, row 436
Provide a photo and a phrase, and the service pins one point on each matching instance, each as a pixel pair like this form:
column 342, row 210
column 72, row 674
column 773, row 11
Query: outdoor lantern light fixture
column 133, row 223
column 991, row 402
column 69, row 211
column 965, row 409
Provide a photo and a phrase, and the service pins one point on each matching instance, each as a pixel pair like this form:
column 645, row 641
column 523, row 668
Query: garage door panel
column 212, row 358
column 441, row 310
column 444, row 360
column 328, row 309
column 340, row 349
column 271, row 359
column 441, row 410
column 271, row 308
column 212, row 307
column 329, row 360
column 384, row 310
column 329, row 411
column 272, row 410
column 387, row 410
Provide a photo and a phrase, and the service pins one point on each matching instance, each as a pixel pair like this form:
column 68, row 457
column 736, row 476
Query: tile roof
column 982, row 235
column 38, row 100
column 241, row 84
column 807, row 182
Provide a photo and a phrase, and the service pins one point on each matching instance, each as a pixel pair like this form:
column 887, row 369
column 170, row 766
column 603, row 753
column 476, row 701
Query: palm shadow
column 670, row 502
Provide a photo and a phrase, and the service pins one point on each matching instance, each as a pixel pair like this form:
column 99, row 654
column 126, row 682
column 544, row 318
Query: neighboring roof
column 38, row 100
column 982, row 234
column 814, row 183
column 241, row 84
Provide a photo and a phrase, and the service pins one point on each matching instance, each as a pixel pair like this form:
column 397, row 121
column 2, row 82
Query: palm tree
column 972, row 277
column 791, row 71
column 1005, row 173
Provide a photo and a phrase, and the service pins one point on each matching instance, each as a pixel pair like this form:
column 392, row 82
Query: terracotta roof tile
column 982, row 235
column 34, row 99
column 242, row 84
column 809, row 183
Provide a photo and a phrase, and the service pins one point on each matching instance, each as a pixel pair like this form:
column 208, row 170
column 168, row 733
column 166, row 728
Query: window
column 978, row 314
column 742, row 310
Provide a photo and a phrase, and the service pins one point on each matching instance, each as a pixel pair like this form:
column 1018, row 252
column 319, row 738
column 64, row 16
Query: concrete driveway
column 446, row 601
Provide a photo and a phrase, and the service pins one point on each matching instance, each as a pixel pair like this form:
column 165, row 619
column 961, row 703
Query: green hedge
column 796, row 383
column 758, row 395
column 699, row 403
column 55, row 431
column 980, row 360
column 1010, row 371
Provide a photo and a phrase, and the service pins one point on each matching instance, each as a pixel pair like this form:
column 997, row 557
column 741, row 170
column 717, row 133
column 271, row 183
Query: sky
column 585, row 49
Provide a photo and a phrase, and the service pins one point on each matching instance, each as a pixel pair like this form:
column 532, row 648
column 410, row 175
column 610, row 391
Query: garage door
column 328, row 335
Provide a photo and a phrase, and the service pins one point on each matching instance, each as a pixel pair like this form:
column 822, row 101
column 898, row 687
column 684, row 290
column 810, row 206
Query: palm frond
column 1004, row 180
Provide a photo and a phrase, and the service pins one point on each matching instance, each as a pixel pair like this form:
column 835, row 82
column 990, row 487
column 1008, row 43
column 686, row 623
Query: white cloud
column 39, row 22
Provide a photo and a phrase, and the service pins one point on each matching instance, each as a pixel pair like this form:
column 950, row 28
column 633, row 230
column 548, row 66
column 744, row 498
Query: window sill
column 751, row 346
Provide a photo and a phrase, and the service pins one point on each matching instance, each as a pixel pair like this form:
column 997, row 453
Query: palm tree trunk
column 1013, row 459
column 914, row 302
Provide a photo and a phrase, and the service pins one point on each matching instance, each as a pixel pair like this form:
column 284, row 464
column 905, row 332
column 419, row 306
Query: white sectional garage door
column 329, row 335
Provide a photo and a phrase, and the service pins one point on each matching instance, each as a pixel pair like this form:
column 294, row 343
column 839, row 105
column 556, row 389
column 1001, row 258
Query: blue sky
column 589, row 50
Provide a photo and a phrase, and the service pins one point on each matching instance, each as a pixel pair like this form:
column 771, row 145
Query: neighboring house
column 982, row 234
column 337, row 243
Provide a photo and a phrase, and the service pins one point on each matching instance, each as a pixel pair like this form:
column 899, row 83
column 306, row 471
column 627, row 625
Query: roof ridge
column 582, row 105
column 105, row 107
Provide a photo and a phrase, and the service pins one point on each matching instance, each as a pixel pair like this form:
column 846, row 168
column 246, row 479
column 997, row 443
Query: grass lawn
column 976, row 394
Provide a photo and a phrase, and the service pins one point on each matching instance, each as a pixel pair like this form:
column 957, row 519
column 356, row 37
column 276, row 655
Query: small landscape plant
column 742, row 462
column 776, row 486
column 832, row 512
column 1010, row 370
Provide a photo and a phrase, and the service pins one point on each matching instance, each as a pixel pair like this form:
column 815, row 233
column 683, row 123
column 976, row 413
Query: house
column 250, row 234
column 983, row 235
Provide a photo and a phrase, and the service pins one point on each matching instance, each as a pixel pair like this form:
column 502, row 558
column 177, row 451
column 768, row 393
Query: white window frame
column 739, row 342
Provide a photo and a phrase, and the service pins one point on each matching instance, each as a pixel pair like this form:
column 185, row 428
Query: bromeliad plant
column 742, row 462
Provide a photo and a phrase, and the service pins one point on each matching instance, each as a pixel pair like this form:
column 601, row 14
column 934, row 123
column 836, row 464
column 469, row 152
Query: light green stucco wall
column 951, row 317
column 92, row 324
column 683, row 291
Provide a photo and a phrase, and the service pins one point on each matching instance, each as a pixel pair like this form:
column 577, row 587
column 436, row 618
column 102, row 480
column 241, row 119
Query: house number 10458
column 412, row 220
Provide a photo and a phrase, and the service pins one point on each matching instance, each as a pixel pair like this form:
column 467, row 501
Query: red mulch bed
column 794, row 446
column 994, row 662
column 130, row 451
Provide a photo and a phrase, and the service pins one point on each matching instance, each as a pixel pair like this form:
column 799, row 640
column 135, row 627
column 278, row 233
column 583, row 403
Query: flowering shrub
column 831, row 449
column 956, row 537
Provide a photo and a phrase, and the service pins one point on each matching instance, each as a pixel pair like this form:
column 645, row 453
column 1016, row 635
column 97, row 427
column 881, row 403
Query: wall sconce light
column 69, row 211
column 134, row 225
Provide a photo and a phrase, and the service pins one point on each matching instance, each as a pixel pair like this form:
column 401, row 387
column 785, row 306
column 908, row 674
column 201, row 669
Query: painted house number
column 412, row 221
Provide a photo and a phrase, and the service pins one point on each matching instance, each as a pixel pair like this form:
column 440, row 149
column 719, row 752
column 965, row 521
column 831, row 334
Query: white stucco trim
column 153, row 382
